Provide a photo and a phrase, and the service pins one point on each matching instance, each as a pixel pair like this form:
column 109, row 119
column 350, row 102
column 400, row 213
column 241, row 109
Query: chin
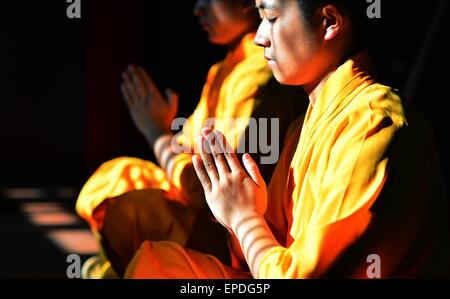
column 287, row 80
column 215, row 40
column 282, row 79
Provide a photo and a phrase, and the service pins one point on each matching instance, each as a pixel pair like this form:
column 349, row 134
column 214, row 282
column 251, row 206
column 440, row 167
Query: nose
column 262, row 37
column 199, row 8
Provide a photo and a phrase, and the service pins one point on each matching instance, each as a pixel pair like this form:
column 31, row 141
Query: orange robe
column 362, row 181
column 128, row 200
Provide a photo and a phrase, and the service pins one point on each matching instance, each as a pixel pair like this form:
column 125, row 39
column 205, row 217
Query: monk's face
column 225, row 21
column 293, row 47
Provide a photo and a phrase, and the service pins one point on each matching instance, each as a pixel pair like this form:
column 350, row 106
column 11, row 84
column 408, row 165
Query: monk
column 358, row 189
column 129, row 200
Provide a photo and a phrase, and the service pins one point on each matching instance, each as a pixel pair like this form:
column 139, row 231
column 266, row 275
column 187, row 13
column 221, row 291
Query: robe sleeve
column 179, row 168
column 355, row 174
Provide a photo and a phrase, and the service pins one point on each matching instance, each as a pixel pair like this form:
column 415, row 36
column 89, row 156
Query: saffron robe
column 129, row 200
column 363, row 180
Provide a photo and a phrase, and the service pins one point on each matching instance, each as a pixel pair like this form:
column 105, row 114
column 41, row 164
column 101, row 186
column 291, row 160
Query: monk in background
column 129, row 200
column 358, row 190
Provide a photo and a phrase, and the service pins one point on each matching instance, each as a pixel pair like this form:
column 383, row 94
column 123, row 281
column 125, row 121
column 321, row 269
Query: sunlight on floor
column 75, row 241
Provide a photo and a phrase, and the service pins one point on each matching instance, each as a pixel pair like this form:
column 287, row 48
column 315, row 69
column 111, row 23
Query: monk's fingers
column 230, row 156
column 253, row 170
column 201, row 173
column 137, row 81
column 148, row 82
column 208, row 162
column 217, row 152
column 126, row 95
column 130, row 89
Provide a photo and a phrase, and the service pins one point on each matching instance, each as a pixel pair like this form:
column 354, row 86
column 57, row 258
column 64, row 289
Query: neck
column 253, row 27
column 337, row 57
column 313, row 90
column 236, row 49
column 233, row 45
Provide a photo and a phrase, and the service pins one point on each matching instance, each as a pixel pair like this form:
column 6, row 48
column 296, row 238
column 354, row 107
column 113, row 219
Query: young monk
column 358, row 195
column 129, row 200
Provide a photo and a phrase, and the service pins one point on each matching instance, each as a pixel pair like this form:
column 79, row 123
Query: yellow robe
column 128, row 200
column 363, row 181
column 363, row 174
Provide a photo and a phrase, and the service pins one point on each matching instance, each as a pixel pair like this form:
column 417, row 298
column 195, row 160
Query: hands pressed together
column 235, row 194
column 151, row 112
column 232, row 192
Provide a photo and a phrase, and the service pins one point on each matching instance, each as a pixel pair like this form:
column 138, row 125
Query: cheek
column 224, row 25
column 288, row 54
column 223, row 15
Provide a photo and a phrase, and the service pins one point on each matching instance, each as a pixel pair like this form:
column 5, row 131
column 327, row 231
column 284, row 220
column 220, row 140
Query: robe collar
column 355, row 72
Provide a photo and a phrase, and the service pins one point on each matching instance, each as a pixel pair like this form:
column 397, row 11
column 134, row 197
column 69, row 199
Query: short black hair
column 354, row 9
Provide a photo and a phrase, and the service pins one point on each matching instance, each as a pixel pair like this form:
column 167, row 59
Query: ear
column 332, row 21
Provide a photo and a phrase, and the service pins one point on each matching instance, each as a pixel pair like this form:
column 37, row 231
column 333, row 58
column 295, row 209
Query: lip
column 271, row 63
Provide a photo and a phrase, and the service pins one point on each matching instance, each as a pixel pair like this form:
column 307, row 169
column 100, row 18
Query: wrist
column 153, row 134
column 243, row 219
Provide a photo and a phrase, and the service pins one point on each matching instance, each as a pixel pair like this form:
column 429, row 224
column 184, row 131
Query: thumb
column 253, row 170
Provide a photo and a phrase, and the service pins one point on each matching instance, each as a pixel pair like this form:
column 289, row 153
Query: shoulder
column 373, row 110
column 383, row 103
column 391, row 120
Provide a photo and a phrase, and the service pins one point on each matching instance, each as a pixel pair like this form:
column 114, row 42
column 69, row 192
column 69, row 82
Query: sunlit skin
column 298, row 55
column 236, row 196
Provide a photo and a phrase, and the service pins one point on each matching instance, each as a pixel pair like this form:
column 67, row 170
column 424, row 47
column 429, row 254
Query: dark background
column 62, row 115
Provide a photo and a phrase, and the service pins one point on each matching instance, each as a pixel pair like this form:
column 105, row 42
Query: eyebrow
column 267, row 5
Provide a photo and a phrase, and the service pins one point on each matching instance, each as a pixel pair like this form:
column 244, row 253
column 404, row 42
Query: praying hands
column 237, row 196
column 152, row 113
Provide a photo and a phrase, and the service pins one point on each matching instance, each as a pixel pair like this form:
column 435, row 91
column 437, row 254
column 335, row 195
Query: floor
column 39, row 230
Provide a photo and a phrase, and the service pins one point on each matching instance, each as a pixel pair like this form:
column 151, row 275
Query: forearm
column 153, row 135
column 255, row 238
column 180, row 171
column 237, row 196
column 162, row 148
